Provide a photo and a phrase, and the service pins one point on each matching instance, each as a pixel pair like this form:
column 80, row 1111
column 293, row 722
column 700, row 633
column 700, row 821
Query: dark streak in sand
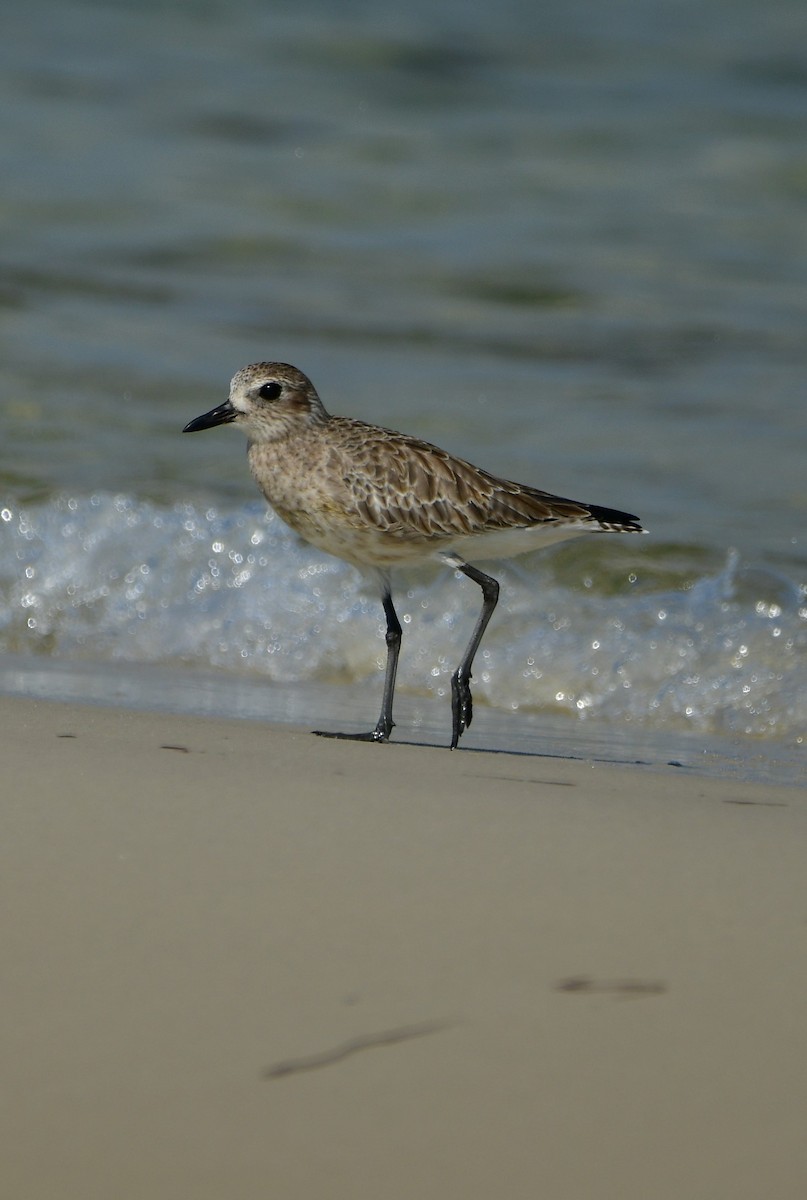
column 582, row 984
column 367, row 1041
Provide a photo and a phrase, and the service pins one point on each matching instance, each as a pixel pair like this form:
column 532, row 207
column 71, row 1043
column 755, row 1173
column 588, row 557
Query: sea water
column 563, row 241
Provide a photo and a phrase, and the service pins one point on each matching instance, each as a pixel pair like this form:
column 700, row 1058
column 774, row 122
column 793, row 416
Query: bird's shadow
column 510, row 751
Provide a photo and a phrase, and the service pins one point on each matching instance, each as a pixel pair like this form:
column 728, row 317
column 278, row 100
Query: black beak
column 217, row 416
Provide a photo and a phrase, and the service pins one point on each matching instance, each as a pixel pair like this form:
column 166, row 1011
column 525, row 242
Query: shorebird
column 380, row 499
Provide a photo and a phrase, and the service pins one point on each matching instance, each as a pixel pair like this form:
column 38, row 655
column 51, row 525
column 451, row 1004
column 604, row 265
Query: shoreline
column 242, row 960
column 177, row 691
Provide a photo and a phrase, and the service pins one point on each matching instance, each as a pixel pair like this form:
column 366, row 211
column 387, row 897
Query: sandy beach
column 242, row 961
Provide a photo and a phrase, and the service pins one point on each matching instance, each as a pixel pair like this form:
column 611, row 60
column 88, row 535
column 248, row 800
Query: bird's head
column 269, row 400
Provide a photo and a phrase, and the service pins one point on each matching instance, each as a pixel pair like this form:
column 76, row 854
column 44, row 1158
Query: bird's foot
column 380, row 734
column 462, row 706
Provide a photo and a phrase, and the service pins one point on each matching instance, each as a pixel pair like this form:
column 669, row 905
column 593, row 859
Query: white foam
column 112, row 579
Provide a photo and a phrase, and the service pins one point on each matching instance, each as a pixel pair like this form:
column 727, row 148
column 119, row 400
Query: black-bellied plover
column 380, row 499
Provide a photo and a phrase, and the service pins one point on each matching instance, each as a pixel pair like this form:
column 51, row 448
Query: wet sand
column 242, row 961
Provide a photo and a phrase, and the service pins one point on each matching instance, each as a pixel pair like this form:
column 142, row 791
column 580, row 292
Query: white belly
column 373, row 548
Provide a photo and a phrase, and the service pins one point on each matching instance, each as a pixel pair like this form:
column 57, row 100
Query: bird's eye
column 270, row 391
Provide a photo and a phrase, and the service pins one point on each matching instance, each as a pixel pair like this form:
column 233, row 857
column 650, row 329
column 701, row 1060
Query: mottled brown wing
column 405, row 486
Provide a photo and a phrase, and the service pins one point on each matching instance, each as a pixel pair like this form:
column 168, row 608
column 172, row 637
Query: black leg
column 462, row 709
column 385, row 724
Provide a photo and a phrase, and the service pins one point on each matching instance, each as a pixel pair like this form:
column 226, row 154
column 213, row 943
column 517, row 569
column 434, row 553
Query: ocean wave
column 659, row 636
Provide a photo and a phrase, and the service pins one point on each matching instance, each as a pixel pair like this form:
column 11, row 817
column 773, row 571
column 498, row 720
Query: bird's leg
column 393, row 639
column 462, row 709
